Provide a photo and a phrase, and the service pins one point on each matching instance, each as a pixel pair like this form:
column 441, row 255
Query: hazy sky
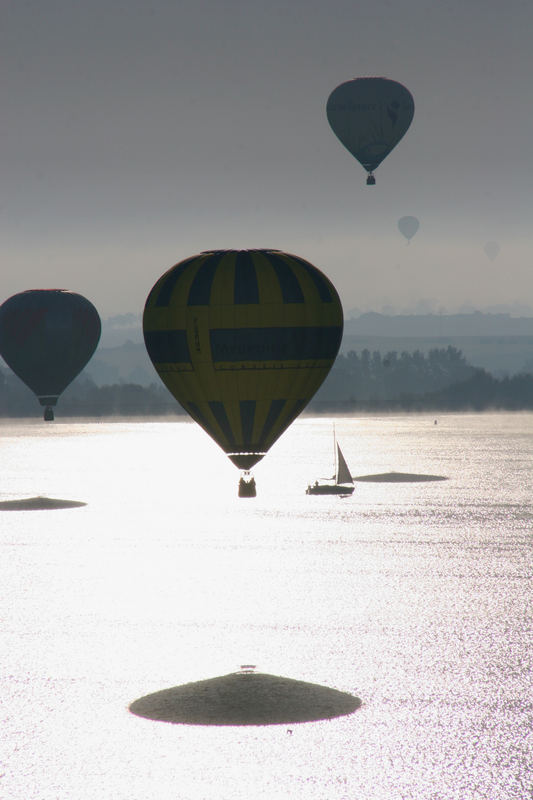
column 135, row 133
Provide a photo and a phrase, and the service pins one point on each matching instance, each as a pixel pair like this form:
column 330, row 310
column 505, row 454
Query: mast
column 335, row 460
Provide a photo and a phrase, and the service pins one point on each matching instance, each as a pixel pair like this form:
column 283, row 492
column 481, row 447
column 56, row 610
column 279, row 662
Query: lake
column 412, row 597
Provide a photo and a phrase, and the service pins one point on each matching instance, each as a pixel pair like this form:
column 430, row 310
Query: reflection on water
column 245, row 698
column 414, row 596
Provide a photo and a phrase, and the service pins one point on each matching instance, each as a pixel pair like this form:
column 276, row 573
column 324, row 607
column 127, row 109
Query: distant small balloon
column 408, row 226
column 492, row 250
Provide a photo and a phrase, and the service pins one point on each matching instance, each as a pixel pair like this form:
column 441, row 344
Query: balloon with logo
column 243, row 339
column 370, row 116
column 47, row 336
column 408, row 226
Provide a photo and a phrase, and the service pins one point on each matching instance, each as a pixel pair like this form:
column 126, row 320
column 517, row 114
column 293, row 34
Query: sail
column 343, row 473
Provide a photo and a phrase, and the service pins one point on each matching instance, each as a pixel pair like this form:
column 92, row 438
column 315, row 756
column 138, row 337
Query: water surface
column 413, row 596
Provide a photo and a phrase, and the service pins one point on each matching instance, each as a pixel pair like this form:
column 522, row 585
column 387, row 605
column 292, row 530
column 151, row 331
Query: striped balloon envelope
column 243, row 339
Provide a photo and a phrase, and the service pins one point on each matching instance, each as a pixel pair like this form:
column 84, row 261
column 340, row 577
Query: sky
column 136, row 133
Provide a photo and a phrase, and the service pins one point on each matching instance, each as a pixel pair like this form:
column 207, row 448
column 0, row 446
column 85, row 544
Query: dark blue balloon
column 370, row 116
column 47, row 336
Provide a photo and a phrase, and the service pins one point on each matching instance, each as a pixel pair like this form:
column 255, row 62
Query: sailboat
column 343, row 480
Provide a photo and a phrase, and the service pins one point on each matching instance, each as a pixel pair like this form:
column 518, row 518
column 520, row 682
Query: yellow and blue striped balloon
column 243, row 339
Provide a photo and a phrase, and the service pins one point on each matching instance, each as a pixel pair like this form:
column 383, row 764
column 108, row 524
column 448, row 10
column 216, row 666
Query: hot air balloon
column 243, row 339
column 47, row 336
column 370, row 116
column 408, row 226
column 492, row 250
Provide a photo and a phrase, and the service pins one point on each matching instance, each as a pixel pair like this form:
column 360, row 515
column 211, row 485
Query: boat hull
column 324, row 488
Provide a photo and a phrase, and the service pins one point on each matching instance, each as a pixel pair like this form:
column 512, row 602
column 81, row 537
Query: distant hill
column 125, row 363
column 474, row 324
column 120, row 329
column 499, row 343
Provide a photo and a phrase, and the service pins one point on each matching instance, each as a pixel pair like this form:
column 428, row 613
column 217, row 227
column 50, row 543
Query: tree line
column 365, row 381
column 83, row 398
column 439, row 380
column 374, row 380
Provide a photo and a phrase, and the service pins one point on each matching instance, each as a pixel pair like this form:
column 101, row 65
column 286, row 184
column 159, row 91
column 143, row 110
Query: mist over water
column 412, row 596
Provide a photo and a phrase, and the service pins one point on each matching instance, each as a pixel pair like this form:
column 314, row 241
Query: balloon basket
column 247, row 487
